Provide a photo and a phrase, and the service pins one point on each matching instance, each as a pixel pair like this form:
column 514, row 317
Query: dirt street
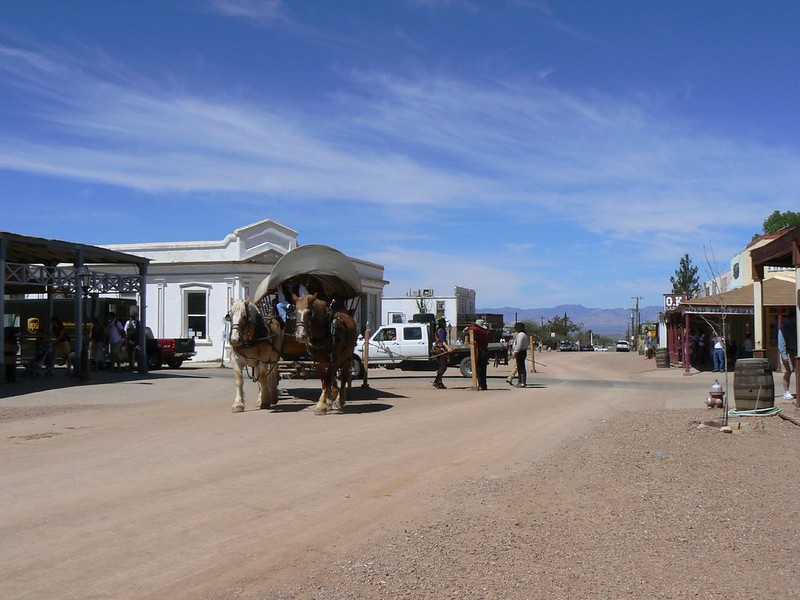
column 598, row 480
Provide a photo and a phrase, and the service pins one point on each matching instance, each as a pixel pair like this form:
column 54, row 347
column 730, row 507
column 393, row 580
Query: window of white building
column 196, row 307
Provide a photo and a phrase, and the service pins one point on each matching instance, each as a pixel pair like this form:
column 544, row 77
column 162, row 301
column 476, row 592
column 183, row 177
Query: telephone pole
column 636, row 320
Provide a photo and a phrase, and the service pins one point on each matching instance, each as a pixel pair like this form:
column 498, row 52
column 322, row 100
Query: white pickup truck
column 409, row 347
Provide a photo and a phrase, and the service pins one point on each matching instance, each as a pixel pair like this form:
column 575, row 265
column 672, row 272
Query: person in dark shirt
column 441, row 348
column 480, row 333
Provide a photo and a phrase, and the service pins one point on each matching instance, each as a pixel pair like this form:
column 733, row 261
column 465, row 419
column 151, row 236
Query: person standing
column 747, row 346
column 481, row 335
column 441, row 348
column 519, row 349
column 132, row 336
column 61, row 347
column 719, row 354
column 701, row 351
column 787, row 346
column 115, row 333
column 98, row 345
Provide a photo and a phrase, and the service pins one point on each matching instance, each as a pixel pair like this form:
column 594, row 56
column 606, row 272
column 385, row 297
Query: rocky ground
column 648, row 505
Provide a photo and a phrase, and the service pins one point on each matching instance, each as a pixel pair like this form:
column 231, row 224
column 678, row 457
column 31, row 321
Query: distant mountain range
column 611, row 322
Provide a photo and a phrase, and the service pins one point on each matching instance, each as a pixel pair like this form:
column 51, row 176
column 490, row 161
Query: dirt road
column 151, row 488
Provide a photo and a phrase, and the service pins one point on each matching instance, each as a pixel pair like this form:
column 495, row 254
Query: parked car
column 587, row 348
column 622, row 346
column 600, row 349
column 566, row 346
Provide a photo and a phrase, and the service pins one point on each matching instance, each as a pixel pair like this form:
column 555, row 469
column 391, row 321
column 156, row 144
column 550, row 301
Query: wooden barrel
column 662, row 358
column 753, row 386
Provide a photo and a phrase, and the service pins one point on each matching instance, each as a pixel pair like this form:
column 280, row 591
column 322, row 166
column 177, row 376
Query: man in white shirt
column 519, row 349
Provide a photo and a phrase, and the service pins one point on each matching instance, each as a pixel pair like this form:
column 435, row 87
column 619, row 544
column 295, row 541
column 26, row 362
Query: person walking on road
column 440, row 349
column 519, row 349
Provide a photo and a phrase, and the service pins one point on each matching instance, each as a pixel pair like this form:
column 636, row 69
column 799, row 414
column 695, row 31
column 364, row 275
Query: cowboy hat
column 480, row 323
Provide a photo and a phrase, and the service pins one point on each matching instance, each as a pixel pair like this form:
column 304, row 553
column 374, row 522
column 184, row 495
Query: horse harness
column 323, row 345
column 260, row 334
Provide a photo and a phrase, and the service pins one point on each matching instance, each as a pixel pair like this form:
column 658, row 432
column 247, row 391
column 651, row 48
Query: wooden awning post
column 473, row 355
column 759, row 348
column 687, row 360
column 365, row 361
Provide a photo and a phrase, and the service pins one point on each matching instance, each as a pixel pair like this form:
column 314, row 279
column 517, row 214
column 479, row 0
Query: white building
column 458, row 309
column 191, row 285
column 741, row 271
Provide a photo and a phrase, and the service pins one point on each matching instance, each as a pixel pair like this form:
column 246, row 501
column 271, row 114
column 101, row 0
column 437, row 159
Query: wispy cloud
column 262, row 12
column 527, row 152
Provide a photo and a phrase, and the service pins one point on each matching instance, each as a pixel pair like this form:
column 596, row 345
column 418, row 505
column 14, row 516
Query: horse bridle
column 249, row 340
column 313, row 342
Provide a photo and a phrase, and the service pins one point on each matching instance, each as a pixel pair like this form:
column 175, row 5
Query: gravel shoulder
column 599, row 480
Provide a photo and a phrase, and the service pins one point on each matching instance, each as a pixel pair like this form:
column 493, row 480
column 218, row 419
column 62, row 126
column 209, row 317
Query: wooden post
column 365, row 361
column 687, row 363
column 473, row 355
column 533, row 355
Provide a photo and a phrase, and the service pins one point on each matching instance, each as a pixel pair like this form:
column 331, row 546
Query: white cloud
column 261, row 11
column 637, row 184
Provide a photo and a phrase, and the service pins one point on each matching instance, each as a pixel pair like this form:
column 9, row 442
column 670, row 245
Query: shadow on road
column 23, row 384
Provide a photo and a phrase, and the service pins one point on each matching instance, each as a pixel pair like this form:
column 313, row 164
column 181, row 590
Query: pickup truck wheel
column 175, row 364
column 466, row 367
column 357, row 370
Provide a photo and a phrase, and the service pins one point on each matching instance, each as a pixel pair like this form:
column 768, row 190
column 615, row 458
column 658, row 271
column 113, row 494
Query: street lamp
column 85, row 279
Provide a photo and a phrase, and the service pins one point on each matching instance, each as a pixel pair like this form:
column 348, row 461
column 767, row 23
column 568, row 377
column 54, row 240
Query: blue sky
column 539, row 152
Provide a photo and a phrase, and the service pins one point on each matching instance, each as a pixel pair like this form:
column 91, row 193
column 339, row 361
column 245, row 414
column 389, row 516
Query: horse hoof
column 320, row 412
column 237, row 408
column 265, row 406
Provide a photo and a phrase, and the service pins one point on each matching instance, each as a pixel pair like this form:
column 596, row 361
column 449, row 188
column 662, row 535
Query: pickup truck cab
column 408, row 346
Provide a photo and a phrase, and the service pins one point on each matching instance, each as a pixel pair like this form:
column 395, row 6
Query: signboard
column 719, row 310
column 673, row 301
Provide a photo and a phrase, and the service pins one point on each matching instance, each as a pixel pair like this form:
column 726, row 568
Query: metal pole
column 3, row 250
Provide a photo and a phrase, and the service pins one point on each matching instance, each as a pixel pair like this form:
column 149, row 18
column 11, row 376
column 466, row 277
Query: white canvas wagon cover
column 320, row 268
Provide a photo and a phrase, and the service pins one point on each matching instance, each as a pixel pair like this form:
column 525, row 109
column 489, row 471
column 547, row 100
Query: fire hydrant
column 715, row 396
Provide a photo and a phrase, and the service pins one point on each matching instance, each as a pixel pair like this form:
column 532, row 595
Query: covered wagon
column 313, row 269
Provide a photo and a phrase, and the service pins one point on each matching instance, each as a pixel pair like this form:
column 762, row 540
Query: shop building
column 191, row 285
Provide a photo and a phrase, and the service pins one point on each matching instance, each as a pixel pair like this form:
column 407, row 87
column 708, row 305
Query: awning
column 777, row 292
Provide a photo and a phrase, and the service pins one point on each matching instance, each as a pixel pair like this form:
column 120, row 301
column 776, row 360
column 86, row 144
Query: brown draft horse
column 256, row 343
column 330, row 338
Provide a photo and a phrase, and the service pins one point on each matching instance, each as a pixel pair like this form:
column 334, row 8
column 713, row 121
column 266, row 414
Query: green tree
column 778, row 220
column 685, row 281
column 563, row 325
